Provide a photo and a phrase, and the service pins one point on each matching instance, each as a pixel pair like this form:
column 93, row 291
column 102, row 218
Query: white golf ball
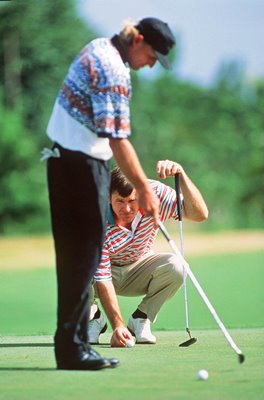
column 130, row 343
column 202, row 374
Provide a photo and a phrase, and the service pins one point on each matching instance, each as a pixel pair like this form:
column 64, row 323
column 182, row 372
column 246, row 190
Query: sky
column 209, row 33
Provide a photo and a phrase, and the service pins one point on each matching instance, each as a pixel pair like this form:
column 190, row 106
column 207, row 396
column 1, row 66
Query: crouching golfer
column 129, row 267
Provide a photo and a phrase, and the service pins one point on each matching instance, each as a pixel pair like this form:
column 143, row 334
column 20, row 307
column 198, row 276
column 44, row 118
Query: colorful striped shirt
column 123, row 246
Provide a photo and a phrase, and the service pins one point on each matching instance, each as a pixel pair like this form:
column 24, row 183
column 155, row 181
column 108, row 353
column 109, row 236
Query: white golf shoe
column 140, row 328
column 96, row 326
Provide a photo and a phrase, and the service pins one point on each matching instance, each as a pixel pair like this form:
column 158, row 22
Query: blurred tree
column 251, row 197
column 216, row 133
column 23, row 201
column 40, row 40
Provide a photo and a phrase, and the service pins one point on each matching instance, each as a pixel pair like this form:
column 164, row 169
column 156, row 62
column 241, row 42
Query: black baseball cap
column 159, row 36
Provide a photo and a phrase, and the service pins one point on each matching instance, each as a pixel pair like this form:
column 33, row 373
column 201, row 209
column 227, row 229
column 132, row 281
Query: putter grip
column 177, row 178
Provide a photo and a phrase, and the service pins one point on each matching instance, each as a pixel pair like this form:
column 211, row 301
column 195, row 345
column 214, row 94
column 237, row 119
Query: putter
column 191, row 339
column 241, row 357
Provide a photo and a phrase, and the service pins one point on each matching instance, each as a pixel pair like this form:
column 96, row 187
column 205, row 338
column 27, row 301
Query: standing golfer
column 129, row 267
column 90, row 122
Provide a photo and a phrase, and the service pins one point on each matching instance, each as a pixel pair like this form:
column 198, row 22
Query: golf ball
column 202, row 374
column 130, row 343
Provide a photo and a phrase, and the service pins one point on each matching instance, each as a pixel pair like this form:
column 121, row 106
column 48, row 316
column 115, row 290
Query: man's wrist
column 118, row 324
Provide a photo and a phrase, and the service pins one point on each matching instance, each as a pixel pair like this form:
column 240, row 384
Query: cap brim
column 163, row 60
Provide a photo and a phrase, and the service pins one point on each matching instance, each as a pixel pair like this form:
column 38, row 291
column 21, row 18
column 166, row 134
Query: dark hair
column 119, row 183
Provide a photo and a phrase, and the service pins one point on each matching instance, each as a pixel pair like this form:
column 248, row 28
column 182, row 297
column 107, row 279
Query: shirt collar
column 111, row 218
column 110, row 215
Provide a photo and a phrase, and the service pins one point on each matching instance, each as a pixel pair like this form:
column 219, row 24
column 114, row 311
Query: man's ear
column 138, row 39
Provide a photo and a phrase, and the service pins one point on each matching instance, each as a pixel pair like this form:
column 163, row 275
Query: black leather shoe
column 114, row 362
column 89, row 360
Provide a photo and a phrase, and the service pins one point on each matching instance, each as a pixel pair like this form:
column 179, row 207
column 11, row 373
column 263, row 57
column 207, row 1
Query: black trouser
column 78, row 192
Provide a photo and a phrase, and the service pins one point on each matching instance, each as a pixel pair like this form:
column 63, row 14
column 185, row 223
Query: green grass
column 233, row 283
column 161, row 372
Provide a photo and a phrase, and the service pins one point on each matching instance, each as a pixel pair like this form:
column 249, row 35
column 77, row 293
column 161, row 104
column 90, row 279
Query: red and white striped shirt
column 123, row 246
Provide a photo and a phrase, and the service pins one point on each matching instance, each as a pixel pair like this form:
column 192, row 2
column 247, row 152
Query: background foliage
column 215, row 132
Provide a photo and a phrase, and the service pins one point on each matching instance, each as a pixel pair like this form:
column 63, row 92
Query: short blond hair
column 128, row 32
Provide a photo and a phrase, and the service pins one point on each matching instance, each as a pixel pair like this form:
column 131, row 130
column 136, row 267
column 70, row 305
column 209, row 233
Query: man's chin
column 135, row 68
column 128, row 220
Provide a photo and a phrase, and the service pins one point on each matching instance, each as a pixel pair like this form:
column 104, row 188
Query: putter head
column 241, row 358
column 188, row 342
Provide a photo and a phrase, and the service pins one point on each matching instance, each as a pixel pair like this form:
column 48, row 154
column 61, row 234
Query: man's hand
column 194, row 206
column 167, row 168
column 120, row 337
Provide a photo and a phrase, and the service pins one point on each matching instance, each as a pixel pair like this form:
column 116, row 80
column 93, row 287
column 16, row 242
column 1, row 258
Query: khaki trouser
column 157, row 276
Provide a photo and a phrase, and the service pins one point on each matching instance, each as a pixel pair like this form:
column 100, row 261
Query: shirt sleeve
column 110, row 92
column 104, row 272
column 97, row 91
column 168, row 200
column 111, row 112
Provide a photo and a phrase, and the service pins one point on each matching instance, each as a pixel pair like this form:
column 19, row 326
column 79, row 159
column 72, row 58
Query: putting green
column 163, row 371
column 232, row 282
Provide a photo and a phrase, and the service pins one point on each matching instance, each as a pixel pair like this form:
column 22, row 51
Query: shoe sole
column 107, row 363
column 91, row 368
column 146, row 342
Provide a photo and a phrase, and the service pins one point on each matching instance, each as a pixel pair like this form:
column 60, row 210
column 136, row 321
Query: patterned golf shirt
column 93, row 102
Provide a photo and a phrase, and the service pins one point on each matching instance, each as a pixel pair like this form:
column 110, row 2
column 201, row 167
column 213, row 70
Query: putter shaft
column 198, row 287
column 179, row 210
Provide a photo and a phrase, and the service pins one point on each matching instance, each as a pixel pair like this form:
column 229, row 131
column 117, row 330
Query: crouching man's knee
column 176, row 270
